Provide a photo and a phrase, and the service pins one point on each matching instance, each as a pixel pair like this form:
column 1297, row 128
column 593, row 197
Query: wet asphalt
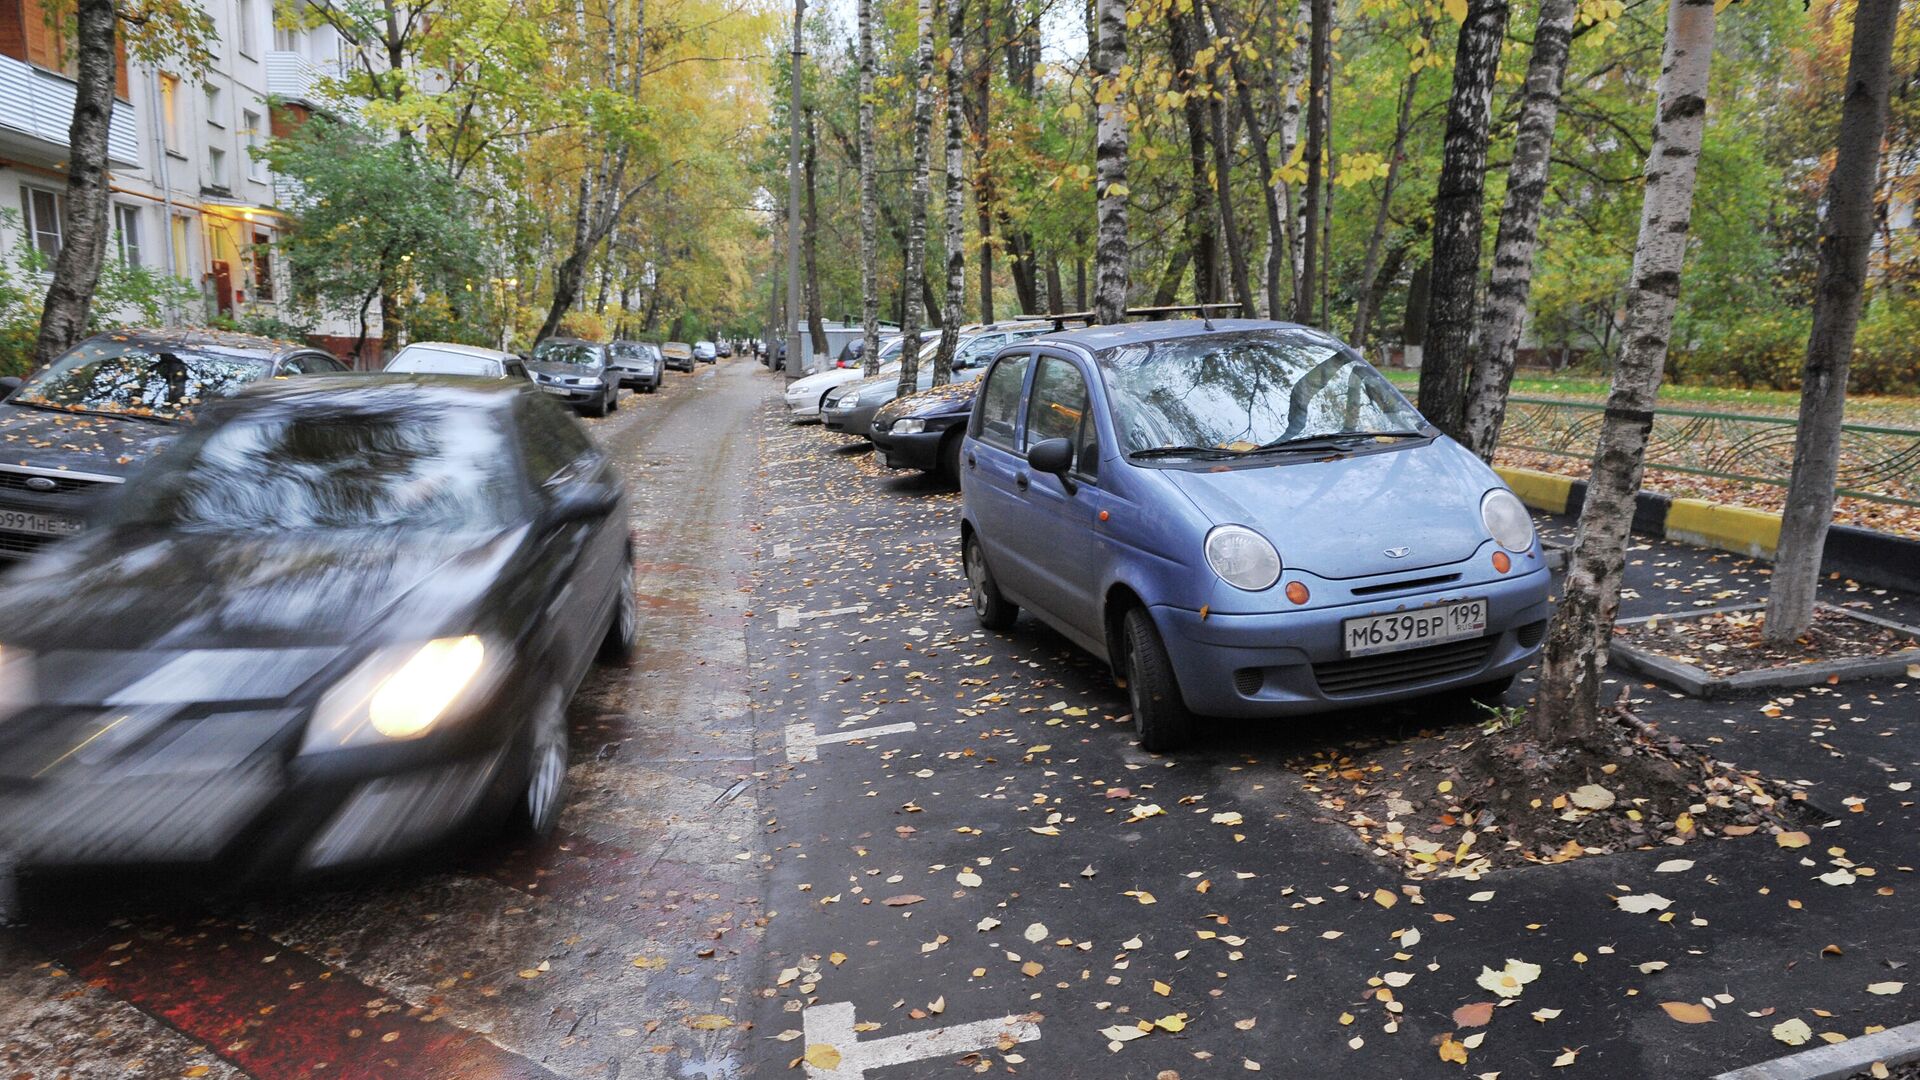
column 827, row 826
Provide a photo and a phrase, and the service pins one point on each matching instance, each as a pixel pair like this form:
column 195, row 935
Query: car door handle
column 1020, row 481
column 970, row 462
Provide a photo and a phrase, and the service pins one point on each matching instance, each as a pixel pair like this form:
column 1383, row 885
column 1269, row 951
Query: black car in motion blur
column 78, row 428
column 338, row 621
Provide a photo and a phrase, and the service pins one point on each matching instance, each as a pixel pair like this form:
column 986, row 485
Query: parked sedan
column 1245, row 520
column 678, row 356
column 447, row 358
column 851, row 408
column 339, row 623
column 807, row 394
column 923, row 430
column 637, row 364
column 83, row 425
column 706, row 352
column 577, row 373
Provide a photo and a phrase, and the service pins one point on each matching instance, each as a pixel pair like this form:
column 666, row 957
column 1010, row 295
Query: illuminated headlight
column 1243, row 558
column 587, row 381
column 1507, row 520
column 912, row 425
column 399, row 693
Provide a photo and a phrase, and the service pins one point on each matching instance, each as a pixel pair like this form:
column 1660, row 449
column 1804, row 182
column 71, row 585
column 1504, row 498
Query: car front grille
column 15, row 545
column 64, row 486
column 1388, row 671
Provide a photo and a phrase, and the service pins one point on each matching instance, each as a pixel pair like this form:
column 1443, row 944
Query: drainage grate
column 1365, row 674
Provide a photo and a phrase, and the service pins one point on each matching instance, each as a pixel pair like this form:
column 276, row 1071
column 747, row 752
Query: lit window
column 170, row 109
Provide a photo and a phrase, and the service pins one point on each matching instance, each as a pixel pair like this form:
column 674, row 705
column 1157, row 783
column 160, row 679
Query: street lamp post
column 795, row 368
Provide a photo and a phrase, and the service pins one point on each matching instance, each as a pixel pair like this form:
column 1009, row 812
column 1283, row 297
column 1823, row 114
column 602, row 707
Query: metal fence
column 1877, row 463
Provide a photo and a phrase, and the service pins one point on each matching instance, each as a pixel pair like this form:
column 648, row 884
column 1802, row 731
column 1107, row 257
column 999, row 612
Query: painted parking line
column 803, row 742
column 1894, row 1046
column 787, row 618
column 832, row 1026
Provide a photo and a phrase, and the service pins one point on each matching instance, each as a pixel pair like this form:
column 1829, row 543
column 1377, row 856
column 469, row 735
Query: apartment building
column 188, row 196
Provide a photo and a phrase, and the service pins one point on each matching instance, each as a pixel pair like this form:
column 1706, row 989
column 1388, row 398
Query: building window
column 44, row 210
column 126, row 223
column 216, row 168
column 214, row 115
column 170, row 109
column 182, row 256
column 245, row 19
column 256, row 165
column 286, row 39
column 262, row 265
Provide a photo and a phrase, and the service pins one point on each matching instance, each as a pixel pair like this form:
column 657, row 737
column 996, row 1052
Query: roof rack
column 1203, row 310
column 1060, row 319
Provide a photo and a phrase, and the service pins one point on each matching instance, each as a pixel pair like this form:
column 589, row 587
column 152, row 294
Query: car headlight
column 588, row 381
column 912, row 425
column 1243, row 558
column 1507, row 520
column 397, row 694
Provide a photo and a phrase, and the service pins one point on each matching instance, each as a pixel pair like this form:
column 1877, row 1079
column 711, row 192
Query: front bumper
column 804, row 403
column 856, row 420
column 575, row 395
column 1290, row 663
column 637, row 379
column 920, row 450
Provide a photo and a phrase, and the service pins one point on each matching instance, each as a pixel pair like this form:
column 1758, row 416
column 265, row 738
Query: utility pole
column 790, row 330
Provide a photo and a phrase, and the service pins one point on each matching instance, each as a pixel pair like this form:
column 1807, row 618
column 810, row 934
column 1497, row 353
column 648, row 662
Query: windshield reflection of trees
column 1242, row 391
column 138, row 382
column 567, row 354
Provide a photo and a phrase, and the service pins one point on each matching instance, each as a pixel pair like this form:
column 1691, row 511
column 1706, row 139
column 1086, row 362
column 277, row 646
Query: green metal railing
column 1877, row 463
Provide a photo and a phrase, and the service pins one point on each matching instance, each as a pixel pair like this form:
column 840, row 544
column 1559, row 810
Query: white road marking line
column 1895, row 1046
column 832, row 1025
column 787, row 618
column 803, row 740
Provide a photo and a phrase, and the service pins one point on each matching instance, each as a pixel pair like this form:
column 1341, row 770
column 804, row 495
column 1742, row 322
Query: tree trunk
column 1567, row 705
column 810, row 231
column 1457, row 217
column 983, row 190
column 915, row 272
column 1223, row 180
column 1169, row 290
column 1506, row 307
column 869, row 198
column 1306, row 292
column 1112, row 269
column 956, row 198
column 1369, row 293
column 1846, row 242
column 1054, row 294
column 1300, row 34
column 83, row 225
column 1080, row 284
column 1199, row 232
column 1270, row 190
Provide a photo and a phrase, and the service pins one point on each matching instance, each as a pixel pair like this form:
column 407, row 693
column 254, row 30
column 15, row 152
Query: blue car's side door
column 1055, row 515
column 992, row 460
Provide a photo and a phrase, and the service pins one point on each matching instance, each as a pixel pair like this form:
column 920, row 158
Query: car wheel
column 538, row 811
column 623, row 631
column 950, row 458
column 613, row 400
column 1160, row 716
column 994, row 611
column 598, row 408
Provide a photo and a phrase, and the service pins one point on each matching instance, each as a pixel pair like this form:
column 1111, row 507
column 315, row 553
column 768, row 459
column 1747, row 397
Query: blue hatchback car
column 1244, row 519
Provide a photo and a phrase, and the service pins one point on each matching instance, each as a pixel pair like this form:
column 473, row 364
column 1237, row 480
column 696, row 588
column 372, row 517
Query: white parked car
column 447, row 358
column 805, row 395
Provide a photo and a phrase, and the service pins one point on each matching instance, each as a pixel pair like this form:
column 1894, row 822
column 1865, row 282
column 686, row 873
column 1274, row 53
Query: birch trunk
column 869, row 197
column 1845, row 244
column 1112, row 271
column 1567, row 705
column 1457, row 217
column 1263, row 161
column 915, row 272
column 956, row 199
column 1297, row 56
column 1369, row 287
column 83, row 225
column 1306, row 291
column 1505, row 311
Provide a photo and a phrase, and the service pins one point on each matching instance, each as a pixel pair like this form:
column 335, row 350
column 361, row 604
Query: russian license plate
column 558, row 391
column 1436, row 625
column 40, row 524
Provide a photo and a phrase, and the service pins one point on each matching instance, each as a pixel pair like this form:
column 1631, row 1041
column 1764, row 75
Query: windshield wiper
column 1178, row 451
column 1333, row 440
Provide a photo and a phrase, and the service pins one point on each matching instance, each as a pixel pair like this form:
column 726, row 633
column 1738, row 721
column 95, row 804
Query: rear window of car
column 414, row 359
column 1000, row 400
column 126, row 378
column 334, row 468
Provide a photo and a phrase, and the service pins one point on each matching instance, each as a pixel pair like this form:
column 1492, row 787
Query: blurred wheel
column 623, row 632
column 994, row 611
column 950, row 457
column 546, row 791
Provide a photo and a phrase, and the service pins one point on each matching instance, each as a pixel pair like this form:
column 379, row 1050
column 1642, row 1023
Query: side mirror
column 581, row 502
column 1053, row 456
column 8, row 385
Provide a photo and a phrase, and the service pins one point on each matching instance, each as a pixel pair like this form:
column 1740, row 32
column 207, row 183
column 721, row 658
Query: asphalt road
column 828, row 827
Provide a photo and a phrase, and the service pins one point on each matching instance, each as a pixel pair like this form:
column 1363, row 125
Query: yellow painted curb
column 1540, row 490
column 1729, row 528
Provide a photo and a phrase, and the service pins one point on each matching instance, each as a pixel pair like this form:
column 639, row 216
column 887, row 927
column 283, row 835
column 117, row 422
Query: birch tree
column 1567, row 705
column 1457, row 215
column 915, row 272
column 869, row 198
column 1506, row 308
column 1112, row 256
column 1846, row 240
column 955, row 193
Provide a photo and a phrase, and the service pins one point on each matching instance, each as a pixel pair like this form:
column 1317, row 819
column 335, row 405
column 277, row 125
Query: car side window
column 518, row 369
column 294, row 365
column 1000, row 400
column 1058, row 407
column 551, row 440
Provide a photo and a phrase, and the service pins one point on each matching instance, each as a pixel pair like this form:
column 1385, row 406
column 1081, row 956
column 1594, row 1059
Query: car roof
column 1097, row 339
column 455, row 347
column 384, row 389
column 205, row 338
column 570, row 341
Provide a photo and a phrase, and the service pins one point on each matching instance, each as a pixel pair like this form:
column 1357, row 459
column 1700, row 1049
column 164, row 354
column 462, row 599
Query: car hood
column 556, row 367
column 821, row 381
column 950, row 400
column 80, row 442
column 1339, row 518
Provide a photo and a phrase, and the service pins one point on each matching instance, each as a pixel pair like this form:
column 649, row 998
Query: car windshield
column 426, row 361
column 405, row 468
column 566, row 352
column 1245, row 391
column 126, row 378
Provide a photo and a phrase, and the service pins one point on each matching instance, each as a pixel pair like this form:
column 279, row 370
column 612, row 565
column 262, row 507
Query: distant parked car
column 678, row 354
column 726, row 348
column 1245, row 520
column 851, row 408
column 806, row 395
column 923, row 430
column 447, row 358
column 576, row 372
column 637, row 364
column 705, row 352
column 80, row 427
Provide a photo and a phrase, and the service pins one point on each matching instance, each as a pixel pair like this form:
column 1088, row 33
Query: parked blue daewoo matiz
column 1246, row 520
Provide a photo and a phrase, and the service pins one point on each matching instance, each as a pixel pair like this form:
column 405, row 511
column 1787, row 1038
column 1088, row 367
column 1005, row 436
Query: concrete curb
column 1894, row 1046
column 1872, row 558
column 1698, row 682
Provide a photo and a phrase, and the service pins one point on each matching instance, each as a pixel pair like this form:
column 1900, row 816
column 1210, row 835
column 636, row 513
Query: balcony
column 291, row 76
column 36, row 110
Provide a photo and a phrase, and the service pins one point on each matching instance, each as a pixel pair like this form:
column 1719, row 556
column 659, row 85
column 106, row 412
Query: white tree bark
column 1112, row 255
column 915, row 272
column 955, row 192
column 869, row 198
column 1567, row 707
